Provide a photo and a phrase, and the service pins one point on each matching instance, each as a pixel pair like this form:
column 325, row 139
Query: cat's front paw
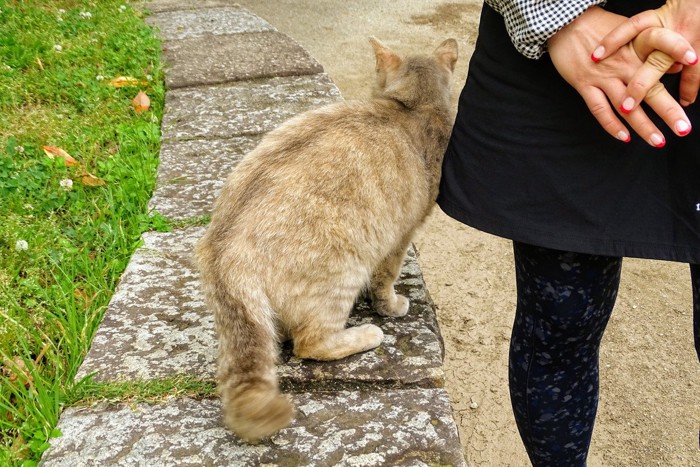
column 394, row 308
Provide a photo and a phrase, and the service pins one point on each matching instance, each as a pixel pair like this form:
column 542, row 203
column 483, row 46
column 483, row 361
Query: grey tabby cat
column 323, row 208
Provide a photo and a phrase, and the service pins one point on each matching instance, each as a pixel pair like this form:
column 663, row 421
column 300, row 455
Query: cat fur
column 322, row 209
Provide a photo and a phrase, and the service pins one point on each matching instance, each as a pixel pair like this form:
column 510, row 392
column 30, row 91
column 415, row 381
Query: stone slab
column 191, row 174
column 398, row 428
column 244, row 107
column 157, row 326
column 159, row 6
column 184, row 24
column 234, row 57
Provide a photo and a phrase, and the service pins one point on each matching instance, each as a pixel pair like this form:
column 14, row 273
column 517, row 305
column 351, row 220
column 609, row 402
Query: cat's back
column 351, row 166
column 336, row 150
column 349, row 126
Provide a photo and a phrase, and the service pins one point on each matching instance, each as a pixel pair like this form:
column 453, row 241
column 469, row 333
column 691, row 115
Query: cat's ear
column 387, row 60
column 446, row 53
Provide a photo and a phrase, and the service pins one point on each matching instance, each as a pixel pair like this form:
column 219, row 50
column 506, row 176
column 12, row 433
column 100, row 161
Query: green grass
column 56, row 61
column 154, row 391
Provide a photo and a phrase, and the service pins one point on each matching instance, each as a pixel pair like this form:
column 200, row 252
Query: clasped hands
column 616, row 61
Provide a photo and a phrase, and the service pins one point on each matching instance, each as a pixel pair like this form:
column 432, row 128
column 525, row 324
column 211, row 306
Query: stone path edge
column 347, row 419
column 340, row 428
column 157, row 326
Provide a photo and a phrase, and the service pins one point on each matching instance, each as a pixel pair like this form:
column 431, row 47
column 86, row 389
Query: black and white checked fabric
column 531, row 22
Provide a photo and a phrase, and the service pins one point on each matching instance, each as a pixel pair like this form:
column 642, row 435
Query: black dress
column 527, row 161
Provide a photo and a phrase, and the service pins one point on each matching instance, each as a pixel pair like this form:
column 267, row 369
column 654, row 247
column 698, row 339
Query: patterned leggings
column 564, row 303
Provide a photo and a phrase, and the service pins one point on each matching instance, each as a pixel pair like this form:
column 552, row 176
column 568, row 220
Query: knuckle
column 655, row 90
column 639, row 86
column 660, row 61
column 691, row 76
column 598, row 110
column 600, row 117
column 604, row 116
column 636, row 23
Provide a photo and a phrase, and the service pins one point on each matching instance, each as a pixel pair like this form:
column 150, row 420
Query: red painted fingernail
column 657, row 140
column 627, row 105
column 691, row 57
column 683, row 127
column 597, row 53
column 624, row 137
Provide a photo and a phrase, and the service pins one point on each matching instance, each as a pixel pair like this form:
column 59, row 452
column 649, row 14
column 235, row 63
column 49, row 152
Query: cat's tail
column 248, row 349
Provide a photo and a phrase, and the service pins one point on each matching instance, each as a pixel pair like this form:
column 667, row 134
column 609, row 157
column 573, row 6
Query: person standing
column 539, row 155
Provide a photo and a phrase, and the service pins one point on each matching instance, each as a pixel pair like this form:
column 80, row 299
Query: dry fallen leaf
column 41, row 65
column 90, row 180
column 15, row 369
column 141, row 102
column 19, row 447
column 54, row 151
column 122, row 81
column 82, row 296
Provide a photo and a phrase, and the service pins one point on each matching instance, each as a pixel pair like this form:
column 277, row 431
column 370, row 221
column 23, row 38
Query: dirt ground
column 649, row 412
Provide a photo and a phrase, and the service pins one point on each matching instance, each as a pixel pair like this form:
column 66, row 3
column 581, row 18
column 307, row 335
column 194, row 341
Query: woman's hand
column 679, row 16
column 606, row 81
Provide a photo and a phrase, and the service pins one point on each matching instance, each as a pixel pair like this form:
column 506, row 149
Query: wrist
column 580, row 27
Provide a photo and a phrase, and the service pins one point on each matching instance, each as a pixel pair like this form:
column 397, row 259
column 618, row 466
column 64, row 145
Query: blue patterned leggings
column 564, row 303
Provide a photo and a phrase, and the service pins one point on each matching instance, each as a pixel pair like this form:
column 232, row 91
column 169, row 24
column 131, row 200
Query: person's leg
column 564, row 303
column 695, row 280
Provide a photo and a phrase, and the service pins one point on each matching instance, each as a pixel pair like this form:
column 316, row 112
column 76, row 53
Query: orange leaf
column 82, row 296
column 80, row 293
column 141, row 102
column 19, row 446
column 122, row 81
column 90, row 180
column 16, row 369
column 54, row 151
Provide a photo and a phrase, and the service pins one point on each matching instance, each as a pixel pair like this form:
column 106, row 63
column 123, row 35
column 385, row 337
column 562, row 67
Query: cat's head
column 416, row 80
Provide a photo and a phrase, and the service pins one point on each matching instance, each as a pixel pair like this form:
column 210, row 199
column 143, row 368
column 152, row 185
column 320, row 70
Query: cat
column 324, row 207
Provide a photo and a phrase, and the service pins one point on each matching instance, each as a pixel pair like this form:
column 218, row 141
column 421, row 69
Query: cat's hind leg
column 322, row 335
column 339, row 344
column 384, row 298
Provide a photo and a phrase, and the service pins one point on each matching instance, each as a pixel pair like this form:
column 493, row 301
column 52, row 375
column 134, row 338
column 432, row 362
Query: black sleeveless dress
column 528, row 162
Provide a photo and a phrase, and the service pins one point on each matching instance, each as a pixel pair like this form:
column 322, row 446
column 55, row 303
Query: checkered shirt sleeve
column 530, row 23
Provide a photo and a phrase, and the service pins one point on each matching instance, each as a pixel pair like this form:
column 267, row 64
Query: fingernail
column 682, row 127
column 627, row 105
column 597, row 53
column 690, row 57
column 657, row 140
column 624, row 137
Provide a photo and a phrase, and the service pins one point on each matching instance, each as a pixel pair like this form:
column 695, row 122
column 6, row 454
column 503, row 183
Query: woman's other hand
column 679, row 16
column 602, row 83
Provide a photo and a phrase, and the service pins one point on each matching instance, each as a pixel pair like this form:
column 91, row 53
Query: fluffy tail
column 248, row 349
